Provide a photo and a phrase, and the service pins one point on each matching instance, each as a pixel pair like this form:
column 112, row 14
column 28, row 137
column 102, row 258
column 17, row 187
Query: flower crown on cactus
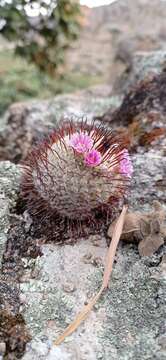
column 76, row 171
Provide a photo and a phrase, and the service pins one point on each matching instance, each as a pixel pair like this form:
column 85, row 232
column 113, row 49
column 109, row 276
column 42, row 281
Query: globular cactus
column 79, row 170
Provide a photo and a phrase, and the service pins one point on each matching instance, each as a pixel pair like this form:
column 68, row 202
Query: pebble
column 68, row 288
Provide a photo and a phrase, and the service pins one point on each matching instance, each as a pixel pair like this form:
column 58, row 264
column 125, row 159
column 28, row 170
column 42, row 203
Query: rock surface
column 128, row 321
column 9, row 187
column 25, row 123
column 144, row 64
column 44, row 285
column 141, row 116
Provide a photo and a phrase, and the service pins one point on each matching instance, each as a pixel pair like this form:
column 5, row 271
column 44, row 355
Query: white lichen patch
column 50, row 308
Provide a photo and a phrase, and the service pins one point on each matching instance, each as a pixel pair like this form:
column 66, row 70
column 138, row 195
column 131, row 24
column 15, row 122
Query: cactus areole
column 78, row 170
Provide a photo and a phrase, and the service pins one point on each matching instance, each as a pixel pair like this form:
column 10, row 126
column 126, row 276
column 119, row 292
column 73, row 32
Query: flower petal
column 81, row 142
column 93, row 158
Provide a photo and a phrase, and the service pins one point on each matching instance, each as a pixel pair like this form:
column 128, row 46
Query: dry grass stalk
column 107, row 272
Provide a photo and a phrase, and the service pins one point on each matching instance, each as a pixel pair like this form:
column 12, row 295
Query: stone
column 144, row 64
column 9, row 185
column 116, row 327
column 25, row 124
column 142, row 93
column 121, row 324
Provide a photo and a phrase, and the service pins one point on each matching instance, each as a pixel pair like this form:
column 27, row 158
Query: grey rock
column 144, row 64
column 24, row 124
column 144, row 187
column 9, row 185
column 128, row 321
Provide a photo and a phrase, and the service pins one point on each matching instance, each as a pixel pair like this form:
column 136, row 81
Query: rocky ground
column 44, row 284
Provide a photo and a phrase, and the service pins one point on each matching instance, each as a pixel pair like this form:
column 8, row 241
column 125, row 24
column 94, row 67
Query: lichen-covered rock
column 144, row 64
column 149, row 178
column 13, row 334
column 9, row 186
column 143, row 90
column 140, row 119
column 147, row 97
column 127, row 319
column 44, row 285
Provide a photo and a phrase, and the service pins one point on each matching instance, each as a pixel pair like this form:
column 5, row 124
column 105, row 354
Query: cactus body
column 78, row 170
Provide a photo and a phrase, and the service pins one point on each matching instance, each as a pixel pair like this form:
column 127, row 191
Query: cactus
column 79, row 170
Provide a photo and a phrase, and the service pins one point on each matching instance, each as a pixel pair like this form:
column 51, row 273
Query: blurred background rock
column 50, row 47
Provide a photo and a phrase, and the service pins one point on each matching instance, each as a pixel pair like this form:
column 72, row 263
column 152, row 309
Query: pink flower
column 81, row 142
column 126, row 167
column 93, row 158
